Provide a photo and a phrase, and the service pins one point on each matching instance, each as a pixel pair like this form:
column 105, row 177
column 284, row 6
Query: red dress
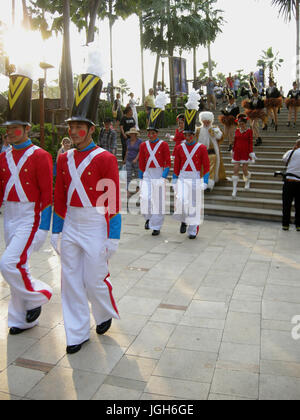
column 243, row 146
column 178, row 138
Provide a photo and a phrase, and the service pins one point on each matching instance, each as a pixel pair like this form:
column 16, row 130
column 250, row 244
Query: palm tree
column 289, row 9
column 270, row 60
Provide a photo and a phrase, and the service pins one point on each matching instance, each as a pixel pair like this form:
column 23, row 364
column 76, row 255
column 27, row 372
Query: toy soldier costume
column 26, row 195
column 154, row 165
column 191, row 164
column 86, row 217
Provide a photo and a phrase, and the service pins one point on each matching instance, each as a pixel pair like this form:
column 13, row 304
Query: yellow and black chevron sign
column 16, row 87
column 190, row 115
column 154, row 114
column 84, row 87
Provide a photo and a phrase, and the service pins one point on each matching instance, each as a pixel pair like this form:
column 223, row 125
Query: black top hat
column 156, row 119
column 19, row 100
column 87, row 98
column 190, row 121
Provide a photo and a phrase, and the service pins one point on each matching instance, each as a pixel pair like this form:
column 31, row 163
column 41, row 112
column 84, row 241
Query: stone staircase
column 263, row 200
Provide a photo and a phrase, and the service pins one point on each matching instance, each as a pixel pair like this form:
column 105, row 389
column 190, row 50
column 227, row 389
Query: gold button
column 89, row 173
column 25, row 170
column 3, row 170
column 91, row 188
column 63, row 172
column 27, row 183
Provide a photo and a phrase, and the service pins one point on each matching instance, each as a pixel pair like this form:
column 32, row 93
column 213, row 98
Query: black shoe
column 156, row 233
column 286, row 228
column 183, row 228
column 102, row 328
column 192, row 237
column 33, row 314
column 272, row 123
column 147, row 227
column 276, row 127
column 230, row 148
column 74, row 349
column 288, row 124
column 258, row 141
column 265, row 127
column 16, row 331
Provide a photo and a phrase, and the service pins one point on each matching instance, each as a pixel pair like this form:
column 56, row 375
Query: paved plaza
column 204, row 319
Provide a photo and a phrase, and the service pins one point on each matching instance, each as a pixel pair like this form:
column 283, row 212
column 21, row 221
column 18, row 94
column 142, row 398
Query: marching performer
column 212, row 137
column 242, row 152
column 254, row 109
column 273, row 102
column 26, row 195
column 154, row 165
column 293, row 103
column 191, row 164
column 228, row 118
column 86, row 220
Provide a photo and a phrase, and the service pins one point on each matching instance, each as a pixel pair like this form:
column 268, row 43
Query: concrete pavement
column 204, row 319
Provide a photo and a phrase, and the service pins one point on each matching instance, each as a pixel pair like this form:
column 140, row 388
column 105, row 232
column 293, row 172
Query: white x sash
column 189, row 157
column 152, row 154
column 76, row 174
column 14, row 180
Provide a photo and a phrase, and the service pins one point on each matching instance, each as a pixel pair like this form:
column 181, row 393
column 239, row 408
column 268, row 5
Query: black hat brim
column 80, row 119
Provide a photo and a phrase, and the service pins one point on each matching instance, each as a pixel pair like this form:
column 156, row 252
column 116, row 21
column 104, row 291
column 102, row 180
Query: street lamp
column 42, row 82
column 42, row 112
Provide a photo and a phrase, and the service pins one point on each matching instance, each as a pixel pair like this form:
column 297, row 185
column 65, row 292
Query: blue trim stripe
column 57, row 224
column 115, row 225
column 46, row 218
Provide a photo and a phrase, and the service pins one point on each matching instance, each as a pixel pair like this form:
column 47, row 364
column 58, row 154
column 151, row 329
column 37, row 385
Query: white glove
column 253, row 157
column 39, row 239
column 111, row 247
column 56, row 242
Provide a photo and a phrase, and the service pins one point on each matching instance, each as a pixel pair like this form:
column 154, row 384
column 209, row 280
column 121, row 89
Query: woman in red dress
column 242, row 152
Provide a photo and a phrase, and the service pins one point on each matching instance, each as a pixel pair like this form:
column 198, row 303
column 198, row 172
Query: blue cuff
column 115, row 225
column 141, row 174
column 46, row 218
column 57, row 224
column 166, row 172
column 206, row 178
column 174, row 179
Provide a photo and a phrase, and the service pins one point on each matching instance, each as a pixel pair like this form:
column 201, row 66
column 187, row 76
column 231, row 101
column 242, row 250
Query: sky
column 251, row 26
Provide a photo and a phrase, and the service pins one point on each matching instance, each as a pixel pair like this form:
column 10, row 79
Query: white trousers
column 21, row 221
column 85, row 276
column 189, row 201
column 153, row 193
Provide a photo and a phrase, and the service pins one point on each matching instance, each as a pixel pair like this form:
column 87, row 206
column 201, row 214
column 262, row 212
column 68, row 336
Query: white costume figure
column 133, row 103
column 211, row 137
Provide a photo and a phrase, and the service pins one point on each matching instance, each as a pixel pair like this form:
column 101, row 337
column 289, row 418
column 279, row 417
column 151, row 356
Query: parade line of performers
column 86, row 222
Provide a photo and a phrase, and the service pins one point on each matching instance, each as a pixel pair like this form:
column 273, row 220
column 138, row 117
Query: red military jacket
column 162, row 155
column 101, row 171
column 200, row 159
column 35, row 176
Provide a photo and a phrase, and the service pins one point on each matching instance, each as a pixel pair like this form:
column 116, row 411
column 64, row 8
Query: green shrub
column 142, row 117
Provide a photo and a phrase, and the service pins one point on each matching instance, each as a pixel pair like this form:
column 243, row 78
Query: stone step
column 253, row 192
column 267, row 176
column 243, row 212
column 242, row 201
